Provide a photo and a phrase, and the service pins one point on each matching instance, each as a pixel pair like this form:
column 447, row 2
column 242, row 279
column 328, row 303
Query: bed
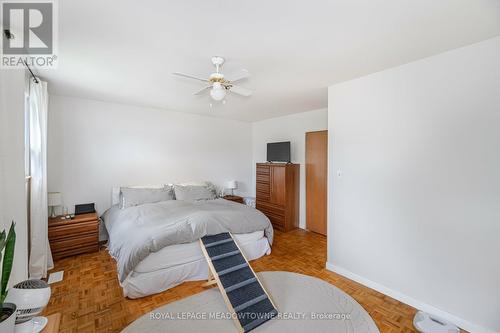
column 156, row 246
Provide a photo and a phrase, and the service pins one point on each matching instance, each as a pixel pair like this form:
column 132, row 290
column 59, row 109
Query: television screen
column 278, row 152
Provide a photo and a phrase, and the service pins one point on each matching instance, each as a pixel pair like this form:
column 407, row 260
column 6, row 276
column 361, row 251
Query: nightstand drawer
column 234, row 198
column 76, row 242
column 72, row 229
column 74, row 251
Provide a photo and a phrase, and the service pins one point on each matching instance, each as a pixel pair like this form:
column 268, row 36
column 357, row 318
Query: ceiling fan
column 218, row 84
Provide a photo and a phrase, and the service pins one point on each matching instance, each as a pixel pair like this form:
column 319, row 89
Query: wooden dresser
column 277, row 190
column 71, row 237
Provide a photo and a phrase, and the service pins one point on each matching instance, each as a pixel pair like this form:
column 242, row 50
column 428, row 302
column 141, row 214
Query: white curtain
column 40, row 257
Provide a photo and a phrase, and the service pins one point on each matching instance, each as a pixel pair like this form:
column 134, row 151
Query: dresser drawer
column 277, row 221
column 263, row 178
column 267, row 207
column 270, row 213
column 276, row 216
column 263, row 195
column 72, row 229
column 263, row 170
column 76, row 242
column 264, row 188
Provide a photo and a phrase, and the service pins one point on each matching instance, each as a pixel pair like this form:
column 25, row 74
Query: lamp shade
column 54, row 199
column 232, row 184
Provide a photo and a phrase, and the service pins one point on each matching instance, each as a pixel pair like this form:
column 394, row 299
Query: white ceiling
column 125, row 51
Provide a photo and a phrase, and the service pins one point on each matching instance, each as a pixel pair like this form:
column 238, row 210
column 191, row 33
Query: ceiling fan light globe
column 217, row 92
column 217, row 95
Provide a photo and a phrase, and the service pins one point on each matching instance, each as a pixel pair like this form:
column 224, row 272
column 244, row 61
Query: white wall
column 289, row 128
column 12, row 176
column 416, row 212
column 93, row 146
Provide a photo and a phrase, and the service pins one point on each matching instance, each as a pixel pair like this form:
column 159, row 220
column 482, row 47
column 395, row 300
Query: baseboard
column 462, row 323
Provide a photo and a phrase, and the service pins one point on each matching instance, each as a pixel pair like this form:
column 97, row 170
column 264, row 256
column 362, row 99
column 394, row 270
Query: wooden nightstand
column 71, row 237
column 234, row 198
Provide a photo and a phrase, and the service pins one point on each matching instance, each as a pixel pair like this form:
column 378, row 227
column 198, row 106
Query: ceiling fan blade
column 201, row 91
column 241, row 91
column 190, row 76
column 238, row 75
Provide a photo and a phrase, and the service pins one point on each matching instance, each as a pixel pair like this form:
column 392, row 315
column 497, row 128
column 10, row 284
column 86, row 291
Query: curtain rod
column 9, row 35
column 31, row 72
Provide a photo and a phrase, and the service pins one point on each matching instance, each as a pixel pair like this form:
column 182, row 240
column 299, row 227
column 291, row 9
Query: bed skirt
column 140, row 284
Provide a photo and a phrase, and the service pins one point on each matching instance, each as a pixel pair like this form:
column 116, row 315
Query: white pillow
column 116, row 191
column 193, row 192
column 130, row 196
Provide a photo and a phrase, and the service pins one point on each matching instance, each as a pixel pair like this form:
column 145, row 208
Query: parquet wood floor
column 90, row 298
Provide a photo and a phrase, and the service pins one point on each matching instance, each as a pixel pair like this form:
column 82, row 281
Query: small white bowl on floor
column 427, row 323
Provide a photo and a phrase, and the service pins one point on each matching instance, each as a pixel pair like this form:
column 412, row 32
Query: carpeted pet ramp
column 245, row 297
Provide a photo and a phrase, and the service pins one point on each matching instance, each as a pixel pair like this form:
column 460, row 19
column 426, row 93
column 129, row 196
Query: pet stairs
column 247, row 300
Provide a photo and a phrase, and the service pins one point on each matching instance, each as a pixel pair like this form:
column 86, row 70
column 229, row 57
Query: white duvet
column 136, row 232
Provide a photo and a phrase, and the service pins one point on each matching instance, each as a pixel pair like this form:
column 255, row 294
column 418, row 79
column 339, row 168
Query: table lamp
column 54, row 199
column 232, row 185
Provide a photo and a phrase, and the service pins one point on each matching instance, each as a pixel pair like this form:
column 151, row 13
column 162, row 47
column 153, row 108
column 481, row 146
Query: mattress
column 175, row 255
column 176, row 264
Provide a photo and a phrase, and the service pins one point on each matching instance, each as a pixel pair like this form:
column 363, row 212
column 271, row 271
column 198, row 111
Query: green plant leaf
column 8, row 259
column 2, row 245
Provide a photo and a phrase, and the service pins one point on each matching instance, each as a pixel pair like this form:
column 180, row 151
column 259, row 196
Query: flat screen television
column 278, row 152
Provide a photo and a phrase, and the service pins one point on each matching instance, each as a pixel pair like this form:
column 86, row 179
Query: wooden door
column 278, row 180
column 316, row 180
